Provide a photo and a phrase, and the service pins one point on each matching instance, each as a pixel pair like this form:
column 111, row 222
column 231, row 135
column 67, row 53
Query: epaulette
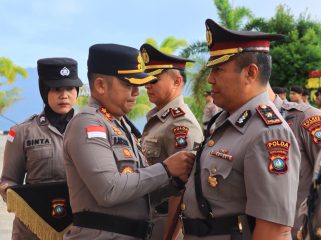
column 29, row 118
column 177, row 112
column 268, row 115
column 107, row 115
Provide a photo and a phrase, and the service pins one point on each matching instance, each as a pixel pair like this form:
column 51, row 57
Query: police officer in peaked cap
column 244, row 182
column 33, row 152
column 109, row 180
column 171, row 126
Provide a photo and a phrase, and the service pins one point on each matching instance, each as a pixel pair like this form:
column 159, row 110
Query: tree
column 232, row 18
column 8, row 74
column 301, row 50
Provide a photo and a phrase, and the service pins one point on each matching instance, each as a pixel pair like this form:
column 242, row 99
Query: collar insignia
column 246, row 115
column 106, row 114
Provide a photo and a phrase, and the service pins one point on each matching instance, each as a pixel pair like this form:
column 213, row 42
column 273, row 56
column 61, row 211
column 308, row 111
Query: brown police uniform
column 108, row 177
column 305, row 122
column 33, row 151
column 249, row 167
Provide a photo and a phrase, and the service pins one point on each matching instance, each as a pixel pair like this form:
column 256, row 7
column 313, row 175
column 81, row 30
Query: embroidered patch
column 268, row 115
column 177, row 112
column 58, row 208
column 117, row 130
column 11, row 135
column 127, row 169
column 106, row 114
column 180, row 133
column 96, row 132
column 278, row 155
column 127, row 153
column 35, row 142
column 246, row 115
column 166, row 113
column 120, row 141
column 313, row 125
column 222, row 153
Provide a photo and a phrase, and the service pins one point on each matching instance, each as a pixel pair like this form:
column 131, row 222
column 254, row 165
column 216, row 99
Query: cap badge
column 64, row 72
column 209, row 38
column 145, row 56
column 140, row 62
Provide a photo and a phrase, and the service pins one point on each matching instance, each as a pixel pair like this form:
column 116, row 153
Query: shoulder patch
column 268, row 115
column 96, row 132
column 177, row 112
column 180, row 133
column 278, row 155
column 313, row 125
column 11, row 135
column 242, row 120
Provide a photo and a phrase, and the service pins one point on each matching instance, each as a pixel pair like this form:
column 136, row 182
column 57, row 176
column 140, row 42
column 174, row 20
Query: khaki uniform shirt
column 251, row 178
column 98, row 153
column 170, row 130
column 305, row 122
column 33, row 154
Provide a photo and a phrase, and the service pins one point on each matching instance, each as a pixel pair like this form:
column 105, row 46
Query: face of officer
column 168, row 87
column 295, row 97
column 62, row 100
column 116, row 95
column 233, row 85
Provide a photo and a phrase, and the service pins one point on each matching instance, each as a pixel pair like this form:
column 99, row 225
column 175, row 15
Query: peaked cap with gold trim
column 224, row 43
column 156, row 61
column 117, row 60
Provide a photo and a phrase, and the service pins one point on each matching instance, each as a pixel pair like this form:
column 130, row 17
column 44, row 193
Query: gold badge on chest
column 212, row 181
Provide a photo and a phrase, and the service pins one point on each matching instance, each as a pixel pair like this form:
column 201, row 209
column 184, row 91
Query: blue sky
column 56, row 28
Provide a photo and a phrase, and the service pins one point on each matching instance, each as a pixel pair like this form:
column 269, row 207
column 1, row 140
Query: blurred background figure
column 305, row 96
column 280, row 91
column 296, row 94
column 209, row 111
column 318, row 97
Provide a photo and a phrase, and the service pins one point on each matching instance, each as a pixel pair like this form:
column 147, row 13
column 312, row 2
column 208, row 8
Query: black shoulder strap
column 135, row 131
column 203, row 204
column 210, row 123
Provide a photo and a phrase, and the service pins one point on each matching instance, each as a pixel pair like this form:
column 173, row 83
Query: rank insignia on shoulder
column 106, row 114
column 127, row 153
column 58, row 208
column 278, row 155
column 11, row 135
column 268, row 115
column 166, row 113
column 180, row 133
column 313, row 125
column 246, row 115
column 177, row 112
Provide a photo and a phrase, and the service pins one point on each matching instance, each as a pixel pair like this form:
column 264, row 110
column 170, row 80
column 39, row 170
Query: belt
column 217, row 226
column 131, row 227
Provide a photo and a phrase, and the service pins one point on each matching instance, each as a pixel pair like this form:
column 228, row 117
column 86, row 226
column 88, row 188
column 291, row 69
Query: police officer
column 247, row 175
column 296, row 94
column 305, row 122
column 108, row 177
column 171, row 126
column 33, row 152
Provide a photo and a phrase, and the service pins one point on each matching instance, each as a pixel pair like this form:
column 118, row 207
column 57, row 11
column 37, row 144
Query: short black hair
column 279, row 90
column 261, row 59
column 296, row 88
column 318, row 91
column 305, row 92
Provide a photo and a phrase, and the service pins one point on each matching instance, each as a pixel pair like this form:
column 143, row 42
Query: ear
column 252, row 73
column 100, row 85
column 178, row 81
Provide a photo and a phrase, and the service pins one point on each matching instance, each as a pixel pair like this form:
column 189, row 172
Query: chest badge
column 180, row 133
column 278, row 155
column 211, row 143
column 212, row 181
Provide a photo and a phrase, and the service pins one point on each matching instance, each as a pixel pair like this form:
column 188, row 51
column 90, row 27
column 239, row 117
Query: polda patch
column 180, row 133
column 278, row 156
column 313, row 125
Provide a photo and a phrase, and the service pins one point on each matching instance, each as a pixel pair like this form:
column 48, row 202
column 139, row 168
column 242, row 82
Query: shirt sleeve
column 95, row 163
column 271, row 173
column 14, row 167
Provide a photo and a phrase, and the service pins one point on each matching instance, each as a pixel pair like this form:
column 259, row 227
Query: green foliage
column 299, row 53
column 8, row 74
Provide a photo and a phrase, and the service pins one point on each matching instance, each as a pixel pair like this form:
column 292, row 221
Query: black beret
column 58, row 72
column 117, row 60
column 296, row 89
column 224, row 43
column 156, row 61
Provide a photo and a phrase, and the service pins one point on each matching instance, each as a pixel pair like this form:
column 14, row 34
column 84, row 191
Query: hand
column 180, row 164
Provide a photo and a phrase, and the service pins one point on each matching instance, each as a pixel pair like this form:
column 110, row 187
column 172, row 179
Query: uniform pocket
column 39, row 163
column 151, row 150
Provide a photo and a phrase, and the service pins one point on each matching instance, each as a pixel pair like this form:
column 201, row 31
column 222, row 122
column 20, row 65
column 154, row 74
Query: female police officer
column 33, row 151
